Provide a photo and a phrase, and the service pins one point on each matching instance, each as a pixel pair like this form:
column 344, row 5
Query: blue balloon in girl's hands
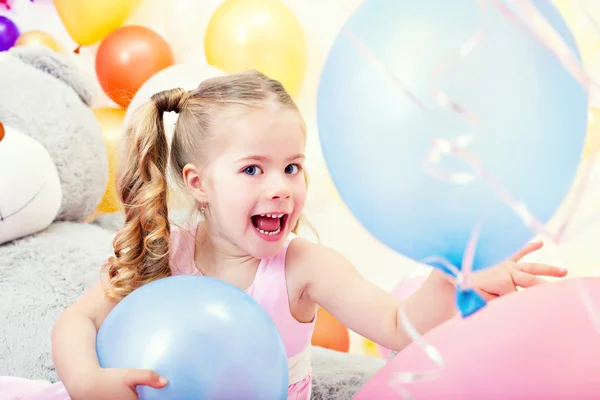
column 210, row 339
column 532, row 125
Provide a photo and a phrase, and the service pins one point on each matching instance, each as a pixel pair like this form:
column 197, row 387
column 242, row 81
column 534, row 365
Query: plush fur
column 41, row 276
column 48, row 98
column 338, row 376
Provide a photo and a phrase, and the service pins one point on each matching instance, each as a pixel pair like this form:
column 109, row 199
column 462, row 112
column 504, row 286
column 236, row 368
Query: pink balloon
column 402, row 291
column 539, row 343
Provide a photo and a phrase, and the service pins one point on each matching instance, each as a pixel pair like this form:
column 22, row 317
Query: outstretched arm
column 334, row 284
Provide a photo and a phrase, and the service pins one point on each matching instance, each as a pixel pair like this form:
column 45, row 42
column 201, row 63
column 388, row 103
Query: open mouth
column 269, row 224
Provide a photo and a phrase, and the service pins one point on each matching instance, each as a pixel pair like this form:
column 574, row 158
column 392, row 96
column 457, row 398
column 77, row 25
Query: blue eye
column 252, row 170
column 292, row 169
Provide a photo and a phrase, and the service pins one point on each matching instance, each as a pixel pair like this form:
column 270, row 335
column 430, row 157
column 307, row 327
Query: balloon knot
column 76, row 51
column 469, row 301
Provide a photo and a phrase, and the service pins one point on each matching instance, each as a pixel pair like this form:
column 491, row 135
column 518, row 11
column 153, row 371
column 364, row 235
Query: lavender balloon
column 9, row 33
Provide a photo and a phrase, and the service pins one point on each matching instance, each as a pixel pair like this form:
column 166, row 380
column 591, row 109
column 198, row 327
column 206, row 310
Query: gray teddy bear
column 48, row 255
column 48, row 98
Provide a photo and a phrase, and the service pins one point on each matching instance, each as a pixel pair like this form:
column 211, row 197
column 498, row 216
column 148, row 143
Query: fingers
column 134, row 377
column 525, row 280
column 486, row 295
column 541, row 269
column 527, row 249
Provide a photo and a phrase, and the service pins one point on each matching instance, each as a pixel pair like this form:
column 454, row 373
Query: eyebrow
column 264, row 159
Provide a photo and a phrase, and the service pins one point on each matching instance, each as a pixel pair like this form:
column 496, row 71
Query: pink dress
column 269, row 289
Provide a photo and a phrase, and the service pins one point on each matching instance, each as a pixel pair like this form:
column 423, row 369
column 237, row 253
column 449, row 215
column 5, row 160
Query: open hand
column 508, row 276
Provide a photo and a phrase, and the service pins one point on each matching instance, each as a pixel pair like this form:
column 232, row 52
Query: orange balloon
column 330, row 333
column 127, row 58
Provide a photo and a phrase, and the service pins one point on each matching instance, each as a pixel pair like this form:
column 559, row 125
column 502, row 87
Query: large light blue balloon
column 374, row 137
column 210, row 339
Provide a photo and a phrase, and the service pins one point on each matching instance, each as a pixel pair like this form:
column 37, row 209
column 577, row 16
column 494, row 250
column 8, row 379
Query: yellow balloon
column 89, row 21
column 583, row 28
column 370, row 348
column 39, row 38
column 111, row 122
column 258, row 34
column 592, row 141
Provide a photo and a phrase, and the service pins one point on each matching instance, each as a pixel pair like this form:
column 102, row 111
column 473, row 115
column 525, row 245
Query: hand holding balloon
column 231, row 348
column 117, row 383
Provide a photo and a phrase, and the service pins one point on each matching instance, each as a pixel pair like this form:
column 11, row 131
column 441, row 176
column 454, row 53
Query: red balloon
column 7, row 4
column 127, row 58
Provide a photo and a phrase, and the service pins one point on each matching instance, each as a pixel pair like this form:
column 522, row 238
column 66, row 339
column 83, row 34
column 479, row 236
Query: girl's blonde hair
column 141, row 247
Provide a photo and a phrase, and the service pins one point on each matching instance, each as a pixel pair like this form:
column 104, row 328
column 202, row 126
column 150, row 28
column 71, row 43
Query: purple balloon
column 9, row 33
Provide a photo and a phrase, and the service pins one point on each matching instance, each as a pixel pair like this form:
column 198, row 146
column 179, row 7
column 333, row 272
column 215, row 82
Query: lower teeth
column 269, row 233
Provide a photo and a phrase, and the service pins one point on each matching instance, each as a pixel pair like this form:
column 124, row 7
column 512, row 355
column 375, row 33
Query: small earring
column 203, row 208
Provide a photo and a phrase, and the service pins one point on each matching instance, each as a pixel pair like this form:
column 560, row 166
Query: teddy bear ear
column 57, row 65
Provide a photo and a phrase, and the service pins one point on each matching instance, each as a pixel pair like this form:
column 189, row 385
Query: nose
column 278, row 188
column 2, row 132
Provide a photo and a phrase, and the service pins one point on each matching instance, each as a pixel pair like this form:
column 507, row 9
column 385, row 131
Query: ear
column 58, row 65
column 193, row 178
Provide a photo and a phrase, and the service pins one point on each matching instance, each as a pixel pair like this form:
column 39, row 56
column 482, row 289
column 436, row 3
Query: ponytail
column 141, row 247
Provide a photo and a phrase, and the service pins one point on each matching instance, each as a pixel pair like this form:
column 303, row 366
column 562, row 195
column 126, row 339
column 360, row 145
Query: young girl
column 238, row 149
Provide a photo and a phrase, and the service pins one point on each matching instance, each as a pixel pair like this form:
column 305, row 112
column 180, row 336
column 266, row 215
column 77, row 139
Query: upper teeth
column 272, row 215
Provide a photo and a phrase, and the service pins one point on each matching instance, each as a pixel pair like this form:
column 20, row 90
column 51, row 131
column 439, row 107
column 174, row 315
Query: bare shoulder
column 306, row 262
column 304, row 253
column 309, row 260
column 329, row 279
